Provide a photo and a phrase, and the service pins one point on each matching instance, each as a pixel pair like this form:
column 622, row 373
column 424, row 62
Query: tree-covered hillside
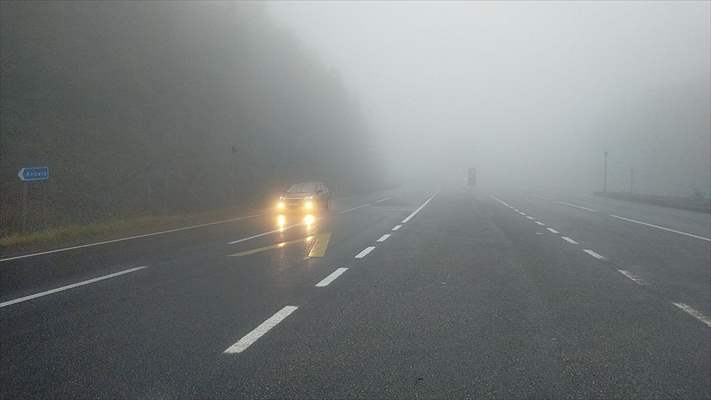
column 146, row 107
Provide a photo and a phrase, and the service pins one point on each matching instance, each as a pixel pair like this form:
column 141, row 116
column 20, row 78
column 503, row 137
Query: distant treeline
column 146, row 107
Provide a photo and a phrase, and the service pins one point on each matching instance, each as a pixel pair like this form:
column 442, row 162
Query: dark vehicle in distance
column 308, row 197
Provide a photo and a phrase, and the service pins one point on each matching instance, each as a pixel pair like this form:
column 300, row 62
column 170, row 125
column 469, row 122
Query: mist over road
column 213, row 199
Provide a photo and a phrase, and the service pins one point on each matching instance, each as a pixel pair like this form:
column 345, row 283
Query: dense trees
column 142, row 107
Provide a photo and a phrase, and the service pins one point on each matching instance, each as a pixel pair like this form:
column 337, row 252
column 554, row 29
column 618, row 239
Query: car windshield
column 302, row 188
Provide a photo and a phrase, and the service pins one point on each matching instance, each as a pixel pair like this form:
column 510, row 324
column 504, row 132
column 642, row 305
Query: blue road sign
column 30, row 174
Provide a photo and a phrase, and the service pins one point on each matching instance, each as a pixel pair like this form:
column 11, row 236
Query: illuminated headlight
column 280, row 205
column 281, row 220
column 309, row 205
column 309, row 219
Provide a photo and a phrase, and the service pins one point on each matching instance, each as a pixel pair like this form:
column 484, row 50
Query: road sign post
column 27, row 175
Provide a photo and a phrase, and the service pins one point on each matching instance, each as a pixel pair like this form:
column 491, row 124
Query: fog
column 145, row 108
column 531, row 94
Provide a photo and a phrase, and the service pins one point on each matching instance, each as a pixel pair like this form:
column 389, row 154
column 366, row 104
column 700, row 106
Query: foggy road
column 411, row 292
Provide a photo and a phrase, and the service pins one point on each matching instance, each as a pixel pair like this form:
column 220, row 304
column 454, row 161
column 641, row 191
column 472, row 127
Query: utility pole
column 604, row 183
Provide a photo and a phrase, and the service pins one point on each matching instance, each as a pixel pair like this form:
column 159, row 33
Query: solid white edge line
column 73, row 285
column 595, row 254
column 551, row 230
column 365, row 252
column 661, row 227
column 409, row 217
column 569, row 240
column 383, row 199
column 396, row 227
column 332, row 277
column 575, row 206
column 265, row 233
column 694, row 313
column 249, row 339
column 383, row 238
column 354, row 208
column 632, row 277
column 129, row 238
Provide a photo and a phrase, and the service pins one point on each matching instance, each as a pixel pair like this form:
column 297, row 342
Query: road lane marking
column 594, row 254
column 72, row 286
column 365, row 252
column 335, row 274
column 383, row 199
column 500, row 201
column 551, row 230
column 354, row 208
column 575, row 206
column 270, row 247
column 185, row 228
column 569, row 240
column 396, row 227
column 634, row 278
column 265, row 233
column 530, row 217
column 409, row 217
column 540, row 223
column 661, row 227
column 249, row 339
column 320, row 245
column 523, row 213
column 694, row 313
column 383, row 238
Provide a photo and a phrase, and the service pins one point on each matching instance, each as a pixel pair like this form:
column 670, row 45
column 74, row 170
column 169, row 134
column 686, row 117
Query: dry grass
column 111, row 228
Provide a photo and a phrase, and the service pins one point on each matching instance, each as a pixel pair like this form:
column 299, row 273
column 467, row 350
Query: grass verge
column 111, row 229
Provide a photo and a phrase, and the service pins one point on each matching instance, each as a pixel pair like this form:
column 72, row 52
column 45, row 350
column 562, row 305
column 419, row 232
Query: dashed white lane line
column 634, row 278
column 335, row 274
column 594, row 254
column 365, row 252
column 530, row 217
column 383, row 199
column 72, row 286
column 662, row 228
column 551, row 230
column 500, row 201
column 569, row 240
column 694, row 313
column 354, row 208
column 409, row 217
column 396, row 227
column 259, row 331
column 540, row 223
column 184, row 228
column 523, row 213
column 383, row 238
column 575, row 206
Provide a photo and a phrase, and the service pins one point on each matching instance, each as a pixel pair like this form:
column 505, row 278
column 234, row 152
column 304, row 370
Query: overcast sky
column 529, row 93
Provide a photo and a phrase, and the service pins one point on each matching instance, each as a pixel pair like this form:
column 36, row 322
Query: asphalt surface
column 587, row 298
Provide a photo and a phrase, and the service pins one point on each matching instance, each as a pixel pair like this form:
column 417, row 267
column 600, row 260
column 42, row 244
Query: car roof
column 304, row 187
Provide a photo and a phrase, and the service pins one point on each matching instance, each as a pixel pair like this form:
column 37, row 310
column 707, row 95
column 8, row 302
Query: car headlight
column 309, row 205
column 280, row 205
